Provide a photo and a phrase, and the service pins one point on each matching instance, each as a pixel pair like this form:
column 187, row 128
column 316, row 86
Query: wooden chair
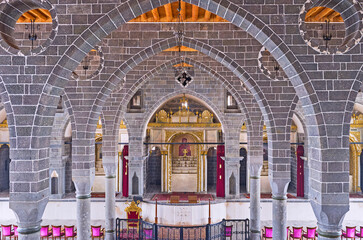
column 267, row 233
column 69, row 232
column 193, row 199
column 359, row 233
column 133, row 212
column 310, row 233
column 97, row 232
column 349, row 233
column 296, row 233
column 6, row 232
column 57, row 232
column 45, row 232
column 228, row 232
column 174, row 199
column 16, row 234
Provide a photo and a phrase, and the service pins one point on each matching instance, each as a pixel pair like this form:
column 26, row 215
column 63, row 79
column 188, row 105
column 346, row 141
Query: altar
column 184, row 156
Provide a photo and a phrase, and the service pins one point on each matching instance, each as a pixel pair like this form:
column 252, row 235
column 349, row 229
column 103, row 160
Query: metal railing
column 236, row 229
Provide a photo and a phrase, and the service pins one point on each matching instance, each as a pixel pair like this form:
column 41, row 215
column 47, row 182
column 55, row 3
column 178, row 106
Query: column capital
column 83, row 181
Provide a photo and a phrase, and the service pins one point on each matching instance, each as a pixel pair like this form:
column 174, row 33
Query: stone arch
column 202, row 67
column 148, row 115
column 225, row 9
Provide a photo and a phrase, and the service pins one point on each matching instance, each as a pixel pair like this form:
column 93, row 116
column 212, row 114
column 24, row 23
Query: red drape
column 220, row 171
column 125, row 170
column 300, row 172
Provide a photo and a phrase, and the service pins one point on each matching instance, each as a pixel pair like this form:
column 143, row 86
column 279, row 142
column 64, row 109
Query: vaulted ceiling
column 320, row 14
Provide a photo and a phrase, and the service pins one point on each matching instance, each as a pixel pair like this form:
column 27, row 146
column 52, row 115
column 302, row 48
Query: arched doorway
column 153, row 171
column 4, row 167
column 243, row 169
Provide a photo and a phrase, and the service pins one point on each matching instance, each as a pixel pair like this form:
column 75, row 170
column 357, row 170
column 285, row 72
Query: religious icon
column 184, row 149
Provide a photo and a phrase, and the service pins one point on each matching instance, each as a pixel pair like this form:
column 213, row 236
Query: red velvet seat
column 310, row 233
column 228, row 231
column 97, row 232
column 45, row 232
column 359, row 233
column 6, row 231
column 349, row 233
column 57, row 232
column 69, row 232
column 267, row 233
column 297, row 233
column 133, row 212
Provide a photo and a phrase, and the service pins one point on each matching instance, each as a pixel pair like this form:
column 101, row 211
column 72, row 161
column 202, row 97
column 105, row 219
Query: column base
column 32, row 233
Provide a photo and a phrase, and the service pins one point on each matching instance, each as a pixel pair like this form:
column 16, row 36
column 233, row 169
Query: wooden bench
column 192, row 199
column 174, row 199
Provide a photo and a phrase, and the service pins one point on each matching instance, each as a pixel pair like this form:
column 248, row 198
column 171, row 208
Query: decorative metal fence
column 237, row 229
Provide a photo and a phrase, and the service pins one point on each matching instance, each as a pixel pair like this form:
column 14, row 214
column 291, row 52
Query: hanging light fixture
column 32, row 35
column 327, row 36
column 276, row 68
column 85, row 65
column 183, row 76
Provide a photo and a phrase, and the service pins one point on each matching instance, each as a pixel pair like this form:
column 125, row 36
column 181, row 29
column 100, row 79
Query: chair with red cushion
column 359, row 233
column 57, row 232
column 97, row 232
column 310, row 233
column 228, row 231
column 349, row 233
column 267, row 233
column 45, row 232
column 148, row 233
column 16, row 234
column 133, row 213
column 6, row 232
column 297, row 233
column 69, row 232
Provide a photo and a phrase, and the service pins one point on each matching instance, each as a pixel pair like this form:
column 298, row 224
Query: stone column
column 279, row 176
column 29, row 189
column 331, row 203
column 83, row 181
column 109, row 165
column 279, row 208
column 255, row 167
column 232, row 167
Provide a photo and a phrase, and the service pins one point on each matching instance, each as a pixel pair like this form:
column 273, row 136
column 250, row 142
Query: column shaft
column 110, row 207
column 83, row 217
column 279, row 218
column 255, row 208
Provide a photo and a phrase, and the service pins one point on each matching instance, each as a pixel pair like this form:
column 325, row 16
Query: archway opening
column 184, row 130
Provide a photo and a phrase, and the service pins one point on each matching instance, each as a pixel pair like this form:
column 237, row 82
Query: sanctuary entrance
column 181, row 129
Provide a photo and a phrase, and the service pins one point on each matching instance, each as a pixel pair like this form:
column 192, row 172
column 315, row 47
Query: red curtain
column 125, row 170
column 300, row 171
column 220, row 171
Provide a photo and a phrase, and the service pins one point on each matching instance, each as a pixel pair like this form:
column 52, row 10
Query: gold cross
column 185, row 152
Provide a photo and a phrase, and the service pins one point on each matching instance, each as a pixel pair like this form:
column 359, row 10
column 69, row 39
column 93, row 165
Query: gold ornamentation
column 184, row 125
column 133, row 207
column 355, row 151
column 4, row 124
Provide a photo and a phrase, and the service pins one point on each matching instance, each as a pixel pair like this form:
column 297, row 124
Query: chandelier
column 183, row 77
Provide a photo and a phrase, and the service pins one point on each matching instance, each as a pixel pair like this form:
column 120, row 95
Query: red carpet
column 99, row 194
column 183, row 196
column 268, row 195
